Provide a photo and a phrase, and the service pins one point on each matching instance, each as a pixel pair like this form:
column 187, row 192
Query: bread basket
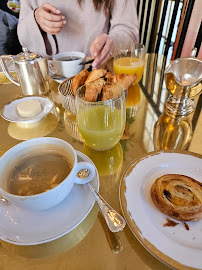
column 71, row 127
column 66, row 96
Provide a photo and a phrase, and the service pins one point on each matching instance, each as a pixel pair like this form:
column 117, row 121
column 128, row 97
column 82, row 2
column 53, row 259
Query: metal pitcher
column 32, row 72
column 183, row 77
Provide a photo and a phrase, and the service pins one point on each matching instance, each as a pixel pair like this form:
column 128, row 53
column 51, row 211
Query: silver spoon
column 54, row 75
column 113, row 219
column 2, row 199
column 113, row 239
column 87, row 62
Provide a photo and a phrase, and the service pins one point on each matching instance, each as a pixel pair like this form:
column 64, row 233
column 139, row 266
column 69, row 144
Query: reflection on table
column 41, row 128
column 57, row 246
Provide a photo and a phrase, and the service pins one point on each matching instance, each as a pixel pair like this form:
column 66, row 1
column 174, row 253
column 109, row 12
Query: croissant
column 178, row 196
column 93, row 89
column 108, row 76
column 95, row 74
column 79, row 80
column 110, row 91
column 123, row 80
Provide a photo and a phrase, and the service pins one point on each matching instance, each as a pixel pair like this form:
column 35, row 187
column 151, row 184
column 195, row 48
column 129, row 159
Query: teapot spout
column 185, row 71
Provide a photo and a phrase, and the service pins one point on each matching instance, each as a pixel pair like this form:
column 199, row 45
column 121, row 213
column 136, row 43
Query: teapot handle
column 5, row 69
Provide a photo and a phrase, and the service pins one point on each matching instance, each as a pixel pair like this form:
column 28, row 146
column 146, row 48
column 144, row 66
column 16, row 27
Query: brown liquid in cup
column 68, row 58
column 37, row 173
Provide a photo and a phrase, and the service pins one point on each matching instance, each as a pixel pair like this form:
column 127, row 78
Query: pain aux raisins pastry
column 96, row 89
column 178, row 196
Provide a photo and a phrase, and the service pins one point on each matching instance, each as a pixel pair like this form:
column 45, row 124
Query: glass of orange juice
column 101, row 124
column 129, row 59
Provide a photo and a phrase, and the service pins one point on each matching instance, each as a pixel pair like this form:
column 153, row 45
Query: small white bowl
column 68, row 68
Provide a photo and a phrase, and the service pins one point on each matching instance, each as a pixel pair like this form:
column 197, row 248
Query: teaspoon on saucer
column 57, row 77
column 113, row 219
column 3, row 200
column 54, row 75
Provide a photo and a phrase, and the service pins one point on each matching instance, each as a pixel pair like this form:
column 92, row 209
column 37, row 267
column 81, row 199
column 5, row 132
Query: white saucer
column 9, row 111
column 23, row 227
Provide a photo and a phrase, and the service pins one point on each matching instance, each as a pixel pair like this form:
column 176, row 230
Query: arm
column 123, row 27
column 124, row 22
column 33, row 30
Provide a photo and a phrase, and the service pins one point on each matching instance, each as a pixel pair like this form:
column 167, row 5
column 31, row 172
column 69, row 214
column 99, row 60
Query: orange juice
column 129, row 65
column 133, row 97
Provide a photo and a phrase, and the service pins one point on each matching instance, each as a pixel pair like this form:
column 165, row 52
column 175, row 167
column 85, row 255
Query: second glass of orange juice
column 129, row 59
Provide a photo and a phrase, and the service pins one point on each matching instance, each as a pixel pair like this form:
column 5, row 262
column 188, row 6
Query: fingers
column 101, row 47
column 52, row 24
column 98, row 44
column 49, row 8
column 52, row 31
column 104, row 60
column 49, row 19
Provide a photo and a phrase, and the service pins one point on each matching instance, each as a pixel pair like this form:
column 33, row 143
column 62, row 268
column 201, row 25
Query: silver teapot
column 32, row 72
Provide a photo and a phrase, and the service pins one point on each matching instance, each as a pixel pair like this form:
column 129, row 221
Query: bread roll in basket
column 178, row 196
column 95, row 86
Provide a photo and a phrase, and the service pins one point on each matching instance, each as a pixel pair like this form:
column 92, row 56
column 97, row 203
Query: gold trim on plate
column 131, row 223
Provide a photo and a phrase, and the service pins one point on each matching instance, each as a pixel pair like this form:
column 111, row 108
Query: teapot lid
column 26, row 56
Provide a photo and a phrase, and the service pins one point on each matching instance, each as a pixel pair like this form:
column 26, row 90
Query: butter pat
column 29, row 108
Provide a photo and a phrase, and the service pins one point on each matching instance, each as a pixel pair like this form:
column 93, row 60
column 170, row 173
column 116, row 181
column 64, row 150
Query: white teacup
column 54, row 195
column 67, row 63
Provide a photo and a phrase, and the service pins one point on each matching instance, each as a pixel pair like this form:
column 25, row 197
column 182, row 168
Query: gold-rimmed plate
column 175, row 246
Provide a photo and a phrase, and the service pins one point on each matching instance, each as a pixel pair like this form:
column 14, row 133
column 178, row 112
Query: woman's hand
column 49, row 19
column 100, row 50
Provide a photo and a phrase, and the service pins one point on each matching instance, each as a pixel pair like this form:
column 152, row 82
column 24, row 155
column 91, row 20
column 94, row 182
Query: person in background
column 90, row 26
column 3, row 6
column 9, row 43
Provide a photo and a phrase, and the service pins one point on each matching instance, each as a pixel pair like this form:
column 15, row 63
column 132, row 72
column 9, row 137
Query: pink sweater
column 83, row 25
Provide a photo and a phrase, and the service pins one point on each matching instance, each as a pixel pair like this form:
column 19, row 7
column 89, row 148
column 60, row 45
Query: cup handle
column 85, row 172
